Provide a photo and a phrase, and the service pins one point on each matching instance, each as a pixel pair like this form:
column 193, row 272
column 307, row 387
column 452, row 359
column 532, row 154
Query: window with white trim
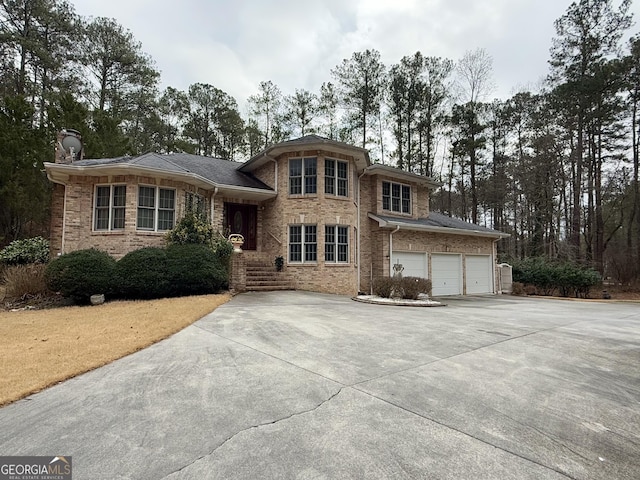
column 396, row 197
column 109, row 207
column 303, row 243
column 303, row 176
column 156, row 208
column 336, row 174
column 336, row 244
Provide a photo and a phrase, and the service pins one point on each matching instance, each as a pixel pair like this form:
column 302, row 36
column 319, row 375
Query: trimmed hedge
column 146, row 273
column 143, row 274
column 194, row 270
column 23, row 252
column 551, row 277
column 82, row 273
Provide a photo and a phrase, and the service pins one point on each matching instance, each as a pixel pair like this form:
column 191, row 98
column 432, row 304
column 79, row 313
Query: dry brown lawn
column 40, row 348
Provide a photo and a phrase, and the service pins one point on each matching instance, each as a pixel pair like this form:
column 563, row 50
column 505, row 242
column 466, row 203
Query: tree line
column 556, row 166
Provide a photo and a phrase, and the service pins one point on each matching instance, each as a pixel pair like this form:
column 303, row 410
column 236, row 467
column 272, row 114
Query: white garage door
column 446, row 271
column 415, row 264
column 478, row 274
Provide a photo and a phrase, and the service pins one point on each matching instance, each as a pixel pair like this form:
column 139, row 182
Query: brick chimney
column 69, row 146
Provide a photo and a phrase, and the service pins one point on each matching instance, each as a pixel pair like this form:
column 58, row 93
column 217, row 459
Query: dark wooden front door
column 243, row 219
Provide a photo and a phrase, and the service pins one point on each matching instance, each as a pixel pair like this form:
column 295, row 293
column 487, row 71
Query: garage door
column 415, row 264
column 446, row 271
column 478, row 274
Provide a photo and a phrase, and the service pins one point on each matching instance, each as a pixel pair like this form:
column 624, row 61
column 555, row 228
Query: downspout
column 275, row 175
column 391, row 249
column 64, row 218
column 359, row 242
column 493, row 269
column 213, row 205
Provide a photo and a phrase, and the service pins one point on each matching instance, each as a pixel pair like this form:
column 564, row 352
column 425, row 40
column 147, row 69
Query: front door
column 243, row 219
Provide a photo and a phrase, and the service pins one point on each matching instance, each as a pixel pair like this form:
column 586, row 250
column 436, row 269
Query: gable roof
column 437, row 223
column 204, row 172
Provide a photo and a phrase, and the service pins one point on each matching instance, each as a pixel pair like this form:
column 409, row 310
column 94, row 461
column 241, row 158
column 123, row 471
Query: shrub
column 194, row 269
column 403, row 287
column 545, row 277
column 24, row 280
column 82, row 273
column 412, row 287
column 517, row 289
column 143, row 273
column 193, row 228
column 383, row 287
column 223, row 250
column 29, row 250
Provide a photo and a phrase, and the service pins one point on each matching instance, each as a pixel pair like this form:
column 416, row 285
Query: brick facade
column 73, row 209
column 74, row 202
column 317, row 209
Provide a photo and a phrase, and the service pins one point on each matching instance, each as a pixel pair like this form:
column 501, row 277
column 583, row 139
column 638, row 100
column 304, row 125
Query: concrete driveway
column 310, row 386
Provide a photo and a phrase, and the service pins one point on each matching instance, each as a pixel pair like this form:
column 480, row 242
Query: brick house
column 336, row 219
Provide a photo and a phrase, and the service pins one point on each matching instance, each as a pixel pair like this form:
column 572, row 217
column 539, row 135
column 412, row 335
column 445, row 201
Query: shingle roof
column 217, row 170
column 441, row 221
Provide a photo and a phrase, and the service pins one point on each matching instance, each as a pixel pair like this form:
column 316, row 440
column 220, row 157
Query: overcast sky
column 235, row 44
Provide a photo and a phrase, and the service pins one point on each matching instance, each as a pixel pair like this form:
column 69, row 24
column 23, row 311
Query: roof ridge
column 162, row 156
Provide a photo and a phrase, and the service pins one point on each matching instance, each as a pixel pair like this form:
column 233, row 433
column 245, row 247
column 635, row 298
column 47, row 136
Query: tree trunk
column 577, row 191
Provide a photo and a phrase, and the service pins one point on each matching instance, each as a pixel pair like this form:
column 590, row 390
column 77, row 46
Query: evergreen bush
column 82, row 273
column 193, row 228
column 143, row 274
column 28, row 250
column 223, row 250
column 548, row 277
column 194, row 269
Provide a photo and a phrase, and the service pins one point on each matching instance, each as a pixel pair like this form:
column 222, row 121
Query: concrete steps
column 264, row 277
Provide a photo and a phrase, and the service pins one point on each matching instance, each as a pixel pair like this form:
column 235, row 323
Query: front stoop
column 264, row 277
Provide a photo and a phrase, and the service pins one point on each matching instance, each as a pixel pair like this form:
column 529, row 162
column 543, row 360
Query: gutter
column 429, row 228
column 56, row 173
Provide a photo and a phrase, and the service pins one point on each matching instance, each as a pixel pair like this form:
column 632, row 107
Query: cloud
column 295, row 44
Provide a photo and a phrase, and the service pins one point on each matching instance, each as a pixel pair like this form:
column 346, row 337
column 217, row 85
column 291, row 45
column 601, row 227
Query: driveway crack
column 255, row 427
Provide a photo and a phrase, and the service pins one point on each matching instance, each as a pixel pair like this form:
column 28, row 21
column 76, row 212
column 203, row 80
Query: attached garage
column 446, row 274
column 414, row 263
column 478, row 274
column 457, row 256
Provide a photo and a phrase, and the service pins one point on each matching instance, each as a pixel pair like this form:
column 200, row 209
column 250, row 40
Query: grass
column 40, row 348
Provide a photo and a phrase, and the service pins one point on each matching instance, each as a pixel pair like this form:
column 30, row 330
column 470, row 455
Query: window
column 335, row 177
column 156, row 215
column 303, row 176
column 303, row 243
column 109, row 207
column 194, row 203
column 336, row 244
column 396, row 197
